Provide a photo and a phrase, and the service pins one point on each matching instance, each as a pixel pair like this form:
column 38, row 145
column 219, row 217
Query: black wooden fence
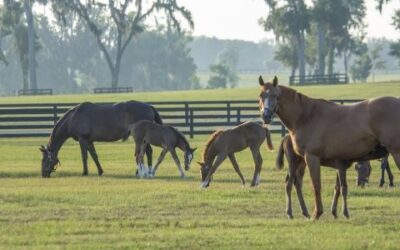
column 318, row 79
column 192, row 118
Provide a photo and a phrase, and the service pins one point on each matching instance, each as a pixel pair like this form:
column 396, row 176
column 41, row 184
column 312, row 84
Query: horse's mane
column 60, row 122
column 210, row 141
column 180, row 136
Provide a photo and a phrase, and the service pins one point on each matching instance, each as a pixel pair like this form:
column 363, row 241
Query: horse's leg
column 335, row 197
column 143, row 170
column 343, row 186
column 235, row 165
column 289, row 184
column 390, row 175
column 255, row 151
column 84, row 148
column 314, row 167
column 95, row 158
column 383, row 167
column 177, row 162
column 149, row 155
column 217, row 163
column 301, row 167
column 159, row 160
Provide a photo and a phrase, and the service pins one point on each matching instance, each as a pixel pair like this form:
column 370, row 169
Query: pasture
column 118, row 210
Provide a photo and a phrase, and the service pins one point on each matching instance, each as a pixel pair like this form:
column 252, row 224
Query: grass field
column 119, row 211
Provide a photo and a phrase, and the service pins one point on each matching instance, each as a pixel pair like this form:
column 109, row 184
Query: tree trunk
column 345, row 62
column 114, row 77
column 31, row 45
column 301, row 56
column 331, row 58
column 321, row 49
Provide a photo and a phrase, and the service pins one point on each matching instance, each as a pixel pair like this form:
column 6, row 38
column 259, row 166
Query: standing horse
column 324, row 133
column 226, row 143
column 88, row 122
column 296, row 172
column 146, row 132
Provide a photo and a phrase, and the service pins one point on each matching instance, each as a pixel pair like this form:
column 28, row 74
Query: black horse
column 88, row 122
column 385, row 166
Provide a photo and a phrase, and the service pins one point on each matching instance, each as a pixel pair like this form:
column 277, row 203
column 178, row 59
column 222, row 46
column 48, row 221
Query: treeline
column 74, row 46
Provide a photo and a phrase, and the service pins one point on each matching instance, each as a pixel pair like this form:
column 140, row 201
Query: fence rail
column 35, row 91
column 318, row 79
column 192, row 118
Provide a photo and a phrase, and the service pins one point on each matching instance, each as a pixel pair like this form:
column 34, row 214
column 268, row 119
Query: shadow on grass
column 167, row 178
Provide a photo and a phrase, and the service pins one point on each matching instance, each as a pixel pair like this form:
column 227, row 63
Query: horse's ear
column 200, row 163
column 275, row 81
column 193, row 149
column 261, row 81
column 42, row 149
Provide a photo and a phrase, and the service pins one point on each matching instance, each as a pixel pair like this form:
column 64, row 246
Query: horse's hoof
column 85, row 174
column 101, row 173
column 346, row 214
column 290, row 216
column 391, row 185
column 317, row 215
column 306, row 215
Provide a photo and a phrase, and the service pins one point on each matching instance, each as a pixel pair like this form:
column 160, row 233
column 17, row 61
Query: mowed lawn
column 118, row 210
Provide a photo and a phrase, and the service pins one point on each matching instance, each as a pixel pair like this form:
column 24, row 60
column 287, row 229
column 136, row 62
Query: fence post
column 55, row 113
column 228, row 112
column 186, row 113
column 191, row 125
column 238, row 115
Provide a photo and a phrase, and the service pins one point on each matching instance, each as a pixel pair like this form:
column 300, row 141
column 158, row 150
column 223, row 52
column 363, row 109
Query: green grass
column 119, row 211
column 345, row 91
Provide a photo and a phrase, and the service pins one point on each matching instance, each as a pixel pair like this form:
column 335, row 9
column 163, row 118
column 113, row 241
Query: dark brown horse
column 296, row 172
column 167, row 137
column 324, row 133
column 225, row 143
column 88, row 122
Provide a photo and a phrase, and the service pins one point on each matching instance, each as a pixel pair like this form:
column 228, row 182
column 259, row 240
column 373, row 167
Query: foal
column 167, row 137
column 296, row 172
column 225, row 143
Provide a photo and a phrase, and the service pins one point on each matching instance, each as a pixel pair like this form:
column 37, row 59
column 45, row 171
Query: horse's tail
column 268, row 139
column 157, row 117
column 279, row 158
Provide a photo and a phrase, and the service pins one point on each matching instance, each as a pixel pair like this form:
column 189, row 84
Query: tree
column 335, row 20
column 223, row 73
column 362, row 65
column 290, row 22
column 376, row 61
column 286, row 53
column 115, row 23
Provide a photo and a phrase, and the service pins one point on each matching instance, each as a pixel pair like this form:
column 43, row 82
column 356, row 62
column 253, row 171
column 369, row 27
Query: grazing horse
column 324, row 133
column 225, row 143
column 296, row 172
column 88, row 122
column 146, row 132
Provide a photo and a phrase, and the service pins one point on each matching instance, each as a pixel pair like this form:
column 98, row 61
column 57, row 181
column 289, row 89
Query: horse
column 225, row 143
column 324, row 133
column 88, row 122
column 296, row 172
column 146, row 132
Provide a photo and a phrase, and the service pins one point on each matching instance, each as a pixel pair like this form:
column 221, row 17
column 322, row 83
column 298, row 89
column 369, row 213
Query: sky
column 238, row 19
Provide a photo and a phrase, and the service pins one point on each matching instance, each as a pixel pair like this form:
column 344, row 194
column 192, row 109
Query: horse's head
column 49, row 161
column 204, row 170
column 363, row 169
column 269, row 98
column 188, row 157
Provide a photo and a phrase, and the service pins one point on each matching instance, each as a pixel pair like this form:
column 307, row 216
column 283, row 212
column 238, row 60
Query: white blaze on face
column 190, row 157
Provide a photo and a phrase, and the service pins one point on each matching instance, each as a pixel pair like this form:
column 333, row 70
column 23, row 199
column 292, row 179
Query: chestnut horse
column 324, row 133
column 296, row 172
column 225, row 143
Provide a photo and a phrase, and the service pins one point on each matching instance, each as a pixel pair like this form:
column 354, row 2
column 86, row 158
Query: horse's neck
column 58, row 137
column 210, row 156
column 292, row 107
